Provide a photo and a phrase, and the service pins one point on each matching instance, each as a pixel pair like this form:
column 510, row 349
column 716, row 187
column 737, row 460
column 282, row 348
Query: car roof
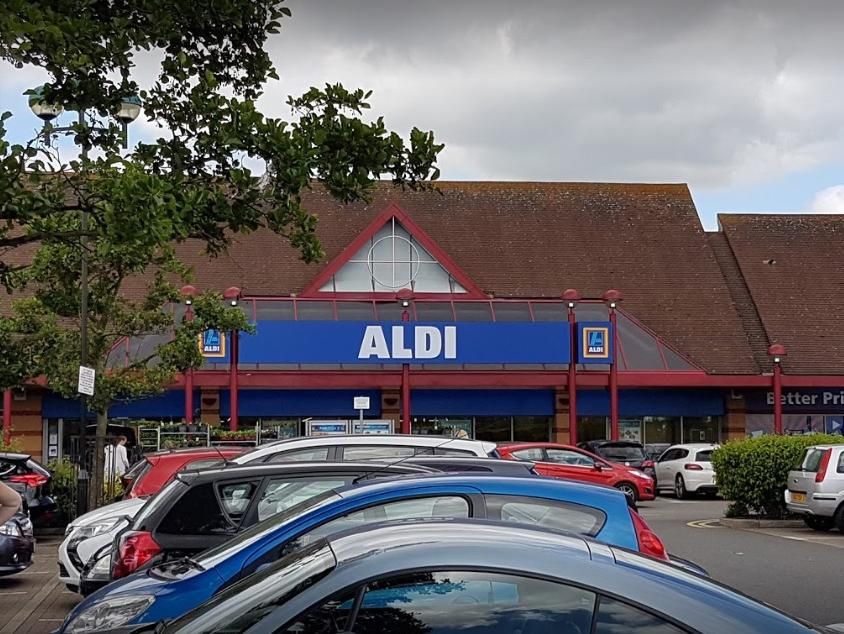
column 592, row 494
column 406, row 440
column 19, row 457
column 173, row 454
column 469, row 461
column 262, row 469
column 695, row 445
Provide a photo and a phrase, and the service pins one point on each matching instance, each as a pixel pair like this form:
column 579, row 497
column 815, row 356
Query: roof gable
column 391, row 254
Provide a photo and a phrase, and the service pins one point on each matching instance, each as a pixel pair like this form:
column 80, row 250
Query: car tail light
column 691, row 466
column 134, row 549
column 30, row 479
column 823, row 465
column 649, row 542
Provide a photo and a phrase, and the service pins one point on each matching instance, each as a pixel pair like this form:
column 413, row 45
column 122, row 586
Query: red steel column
column 573, row 376
column 7, row 416
column 233, row 381
column 405, row 387
column 189, row 379
column 777, row 351
column 614, row 432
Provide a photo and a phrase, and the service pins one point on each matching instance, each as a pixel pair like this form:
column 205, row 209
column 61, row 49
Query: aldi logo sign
column 595, row 342
column 212, row 343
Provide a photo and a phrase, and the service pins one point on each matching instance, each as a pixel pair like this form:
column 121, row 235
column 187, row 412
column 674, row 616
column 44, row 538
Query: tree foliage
column 218, row 167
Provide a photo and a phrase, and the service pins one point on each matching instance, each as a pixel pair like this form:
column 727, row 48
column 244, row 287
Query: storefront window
column 493, row 428
column 662, row 429
column 700, row 429
column 442, row 425
column 630, row 429
column 532, row 428
column 592, row 428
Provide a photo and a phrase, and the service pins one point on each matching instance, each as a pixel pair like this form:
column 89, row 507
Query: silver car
column 816, row 488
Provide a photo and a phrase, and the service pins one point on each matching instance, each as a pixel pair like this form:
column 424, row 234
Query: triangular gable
column 393, row 253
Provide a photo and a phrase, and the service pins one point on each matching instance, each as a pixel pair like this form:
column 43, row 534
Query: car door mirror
column 598, row 466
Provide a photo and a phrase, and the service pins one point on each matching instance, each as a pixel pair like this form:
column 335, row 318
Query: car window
column 280, row 495
column 371, row 452
column 452, row 506
column 615, row 617
column 236, row 498
column 197, row 512
column 668, row 455
column 205, row 463
column 841, row 462
column 577, row 518
column 812, row 459
column 444, row 451
column 569, row 457
column 704, row 456
column 449, row 602
column 310, row 454
column 623, row 452
column 532, row 454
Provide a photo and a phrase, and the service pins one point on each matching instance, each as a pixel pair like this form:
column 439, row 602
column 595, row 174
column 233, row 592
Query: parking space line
column 704, row 524
column 8, row 592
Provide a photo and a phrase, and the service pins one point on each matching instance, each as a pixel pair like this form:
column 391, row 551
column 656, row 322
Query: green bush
column 752, row 473
column 63, row 486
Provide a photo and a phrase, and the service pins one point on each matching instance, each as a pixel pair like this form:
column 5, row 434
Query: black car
column 21, row 469
column 17, row 544
column 626, row 452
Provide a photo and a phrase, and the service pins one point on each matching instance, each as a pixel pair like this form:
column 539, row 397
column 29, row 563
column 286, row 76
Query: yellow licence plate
column 799, row 498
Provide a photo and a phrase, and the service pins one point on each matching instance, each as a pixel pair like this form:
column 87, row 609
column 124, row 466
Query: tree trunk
column 96, row 481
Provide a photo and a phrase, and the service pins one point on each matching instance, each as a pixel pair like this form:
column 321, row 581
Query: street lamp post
column 571, row 297
column 188, row 293
column 232, row 295
column 129, row 110
column 404, row 297
column 777, row 351
column 612, row 297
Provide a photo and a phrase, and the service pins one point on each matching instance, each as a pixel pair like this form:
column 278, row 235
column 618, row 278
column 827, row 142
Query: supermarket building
column 512, row 311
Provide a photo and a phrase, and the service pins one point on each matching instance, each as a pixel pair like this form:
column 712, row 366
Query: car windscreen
column 215, row 555
column 246, row 603
column 811, row 460
column 622, row 452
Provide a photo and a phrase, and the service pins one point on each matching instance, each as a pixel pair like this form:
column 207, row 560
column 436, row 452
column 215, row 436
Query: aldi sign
column 352, row 342
column 595, row 342
column 212, row 343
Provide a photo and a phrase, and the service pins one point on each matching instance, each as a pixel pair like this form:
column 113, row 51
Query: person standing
column 116, row 459
column 10, row 502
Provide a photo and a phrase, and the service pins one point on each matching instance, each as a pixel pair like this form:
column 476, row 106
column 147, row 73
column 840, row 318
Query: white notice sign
column 361, row 402
column 87, row 377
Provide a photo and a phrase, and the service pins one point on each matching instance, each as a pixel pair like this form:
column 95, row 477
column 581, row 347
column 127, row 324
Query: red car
column 571, row 463
column 155, row 470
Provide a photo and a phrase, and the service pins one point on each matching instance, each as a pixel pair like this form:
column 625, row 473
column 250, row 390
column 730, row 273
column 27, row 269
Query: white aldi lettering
column 427, row 342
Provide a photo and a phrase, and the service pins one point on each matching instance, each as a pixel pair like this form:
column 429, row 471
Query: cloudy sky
column 740, row 99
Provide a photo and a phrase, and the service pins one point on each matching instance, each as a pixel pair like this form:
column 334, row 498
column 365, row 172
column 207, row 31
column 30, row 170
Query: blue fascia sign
column 354, row 342
column 595, row 342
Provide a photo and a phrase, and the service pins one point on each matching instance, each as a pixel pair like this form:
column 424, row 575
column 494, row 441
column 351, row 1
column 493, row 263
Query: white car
column 686, row 470
column 90, row 532
column 357, row 447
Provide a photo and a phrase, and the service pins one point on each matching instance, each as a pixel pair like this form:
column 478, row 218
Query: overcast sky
column 740, row 99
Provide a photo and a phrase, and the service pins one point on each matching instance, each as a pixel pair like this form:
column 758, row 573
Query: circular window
column 393, row 261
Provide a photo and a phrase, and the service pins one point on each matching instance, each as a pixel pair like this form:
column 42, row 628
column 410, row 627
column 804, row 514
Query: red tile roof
column 534, row 240
column 793, row 266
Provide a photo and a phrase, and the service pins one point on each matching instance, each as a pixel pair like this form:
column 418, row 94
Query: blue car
column 169, row 590
column 473, row 577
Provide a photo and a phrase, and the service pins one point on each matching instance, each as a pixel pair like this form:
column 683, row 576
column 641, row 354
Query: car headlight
column 92, row 530
column 640, row 474
column 11, row 529
column 109, row 614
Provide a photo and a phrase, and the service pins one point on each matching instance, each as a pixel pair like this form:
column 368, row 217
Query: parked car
column 815, row 488
column 687, row 470
column 20, row 468
column 564, row 461
column 626, row 452
column 654, row 450
column 170, row 589
column 88, row 533
column 366, row 447
column 436, row 577
column 149, row 475
column 17, row 544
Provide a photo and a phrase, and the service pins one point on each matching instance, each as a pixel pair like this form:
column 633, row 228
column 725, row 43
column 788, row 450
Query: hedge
column 752, row 473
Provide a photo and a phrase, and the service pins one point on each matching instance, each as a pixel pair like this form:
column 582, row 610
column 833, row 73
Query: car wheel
column 680, row 488
column 839, row 518
column 819, row 523
column 628, row 489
